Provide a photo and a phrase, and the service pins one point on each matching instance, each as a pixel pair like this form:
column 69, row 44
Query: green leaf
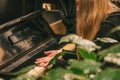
column 70, row 76
column 115, row 29
column 23, row 70
column 87, row 64
column 24, row 77
column 93, row 56
column 53, row 61
column 84, row 54
column 57, row 74
column 113, row 49
column 109, row 74
column 87, row 55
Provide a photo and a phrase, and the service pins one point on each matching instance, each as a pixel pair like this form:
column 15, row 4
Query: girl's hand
column 44, row 61
column 52, row 52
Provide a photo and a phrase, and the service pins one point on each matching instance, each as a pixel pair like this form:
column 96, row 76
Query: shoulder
column 114, row 14
column 112, row 21
column 113, row 18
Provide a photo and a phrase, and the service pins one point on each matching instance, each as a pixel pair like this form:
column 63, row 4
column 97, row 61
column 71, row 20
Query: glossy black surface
column 22, row 36
column 11, row 9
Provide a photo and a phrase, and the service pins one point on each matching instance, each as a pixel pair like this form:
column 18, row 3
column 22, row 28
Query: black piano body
column 11, row 9
column 23, row 40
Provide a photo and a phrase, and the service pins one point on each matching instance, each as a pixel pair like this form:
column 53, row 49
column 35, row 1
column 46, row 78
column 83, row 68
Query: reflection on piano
column 23, row 40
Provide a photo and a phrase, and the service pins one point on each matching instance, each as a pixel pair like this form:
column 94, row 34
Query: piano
column 24, row 39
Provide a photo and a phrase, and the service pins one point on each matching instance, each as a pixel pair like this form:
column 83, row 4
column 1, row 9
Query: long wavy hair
column 90, row 14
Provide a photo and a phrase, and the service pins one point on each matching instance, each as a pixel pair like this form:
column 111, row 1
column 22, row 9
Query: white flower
column 108, row 59
column 32, row 73
column 86, row 71
column 69, row 38
column 107, row 40
column 86, row 44
column 99, row 70
column 82, row 43
column 117, row 28
column 68, row 76
column 92, row 76
column 118, row 54
column 114, row 60
column 118, row 62
column 109, row 54
column 36, row 71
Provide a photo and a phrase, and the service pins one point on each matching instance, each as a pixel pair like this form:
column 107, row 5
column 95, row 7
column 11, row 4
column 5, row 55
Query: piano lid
column 22, row 34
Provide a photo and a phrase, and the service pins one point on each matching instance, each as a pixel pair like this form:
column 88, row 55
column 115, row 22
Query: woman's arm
column 110, row 23
column 44, row 61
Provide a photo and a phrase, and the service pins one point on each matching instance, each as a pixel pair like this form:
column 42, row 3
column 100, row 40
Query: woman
column 95, row 18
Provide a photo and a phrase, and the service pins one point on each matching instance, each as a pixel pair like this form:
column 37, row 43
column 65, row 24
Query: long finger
column 41, row 60
column 43, row 64
column 52, row 52
column 49, row 52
